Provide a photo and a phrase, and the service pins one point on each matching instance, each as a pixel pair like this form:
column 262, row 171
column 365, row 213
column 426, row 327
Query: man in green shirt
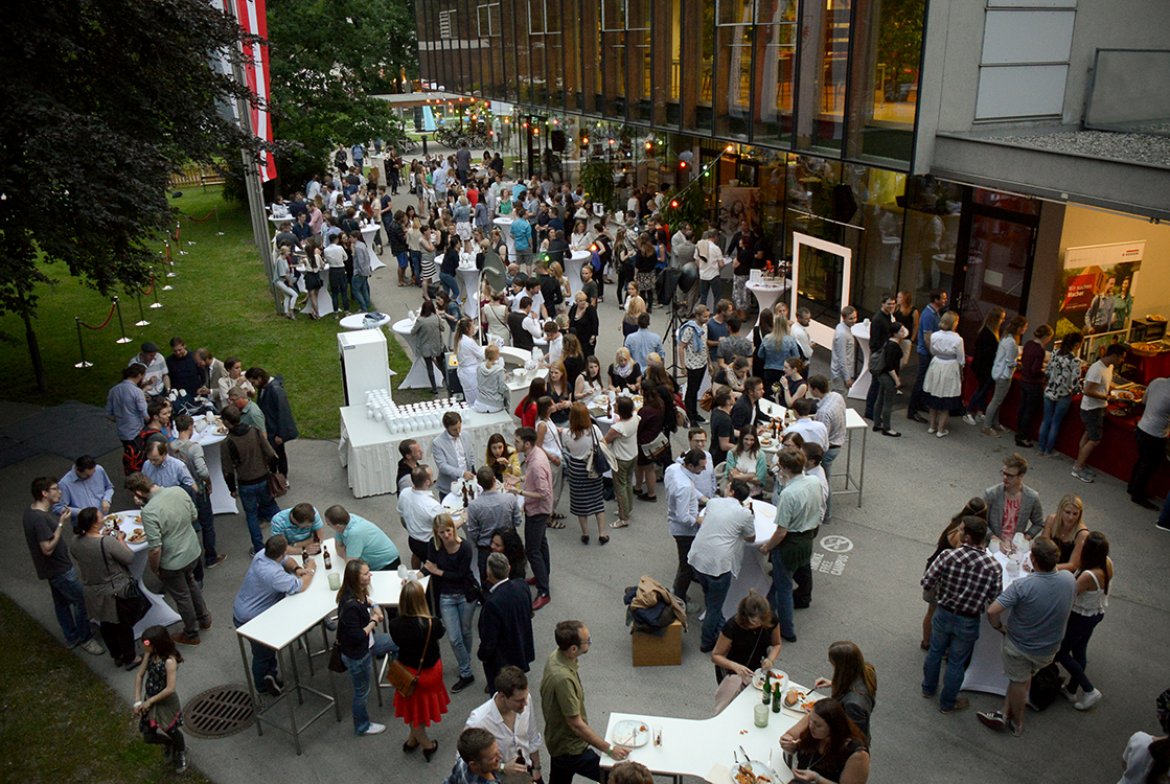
column 798, row 515
column 357, row 537
column 570, row 739
column 168, row 519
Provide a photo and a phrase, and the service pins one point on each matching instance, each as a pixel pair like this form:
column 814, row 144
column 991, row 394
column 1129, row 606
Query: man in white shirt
column 717, row 552
column 830, row 413
column 810, row 429
column 799, row 330
column 844, row 359
column 338, row 285
column 704, row 481
column 556, row 343
column 157, row 380
column 682, row 513
column 1095, row 399
column 417, row 508
column 507, row 718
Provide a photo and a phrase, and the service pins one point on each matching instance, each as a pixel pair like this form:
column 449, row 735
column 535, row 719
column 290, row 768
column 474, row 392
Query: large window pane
column 571, row 34
column 933, row 208
column 700, row 72
column 613, row 55
column 638, row 66
column 824, row 63
column 884, row 98
column 776, row 33
column 734, row 69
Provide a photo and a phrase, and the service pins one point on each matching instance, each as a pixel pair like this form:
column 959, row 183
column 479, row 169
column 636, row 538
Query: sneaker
column 1072, row 696
column 970, row 420
column 961, row 703
column 1082, row 475
column 462, row 683
column 180, row 762
column 1088, row 700
column 1161, row 527
column 375, row 729
column 272, row 686
column 931, row 431
column 185, row 639
column 990, row 431
column 993, row 720
column 205, row 624
column 92, row 646
column 942, row 434
column 216, row 562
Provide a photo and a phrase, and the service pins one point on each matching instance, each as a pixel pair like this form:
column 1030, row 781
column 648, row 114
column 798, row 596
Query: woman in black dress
column 650, row 425
column 826, row 747
column 748, row 642
column 986, row 346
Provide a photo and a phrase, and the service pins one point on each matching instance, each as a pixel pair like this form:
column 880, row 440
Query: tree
column 328, row 60
column 106, row 99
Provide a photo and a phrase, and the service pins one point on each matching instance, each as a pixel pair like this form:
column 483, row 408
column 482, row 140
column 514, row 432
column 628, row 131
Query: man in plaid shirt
column 966, row 580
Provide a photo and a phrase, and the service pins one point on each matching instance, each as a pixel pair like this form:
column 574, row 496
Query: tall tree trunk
column 34, row 350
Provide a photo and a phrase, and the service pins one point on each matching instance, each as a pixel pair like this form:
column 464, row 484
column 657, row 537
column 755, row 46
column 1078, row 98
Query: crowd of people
column 490, row 569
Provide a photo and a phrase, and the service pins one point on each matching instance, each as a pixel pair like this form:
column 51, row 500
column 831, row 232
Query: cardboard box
column 657, row 651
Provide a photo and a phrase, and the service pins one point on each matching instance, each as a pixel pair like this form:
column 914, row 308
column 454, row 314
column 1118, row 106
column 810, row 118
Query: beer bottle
column 305, row 557
column 328, row 560
column 777, row 699
column 768, row 688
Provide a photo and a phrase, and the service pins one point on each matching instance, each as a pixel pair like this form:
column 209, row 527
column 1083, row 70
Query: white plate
column 777, row 675
column 805, row 704
column 630, row 733
column 761, row 773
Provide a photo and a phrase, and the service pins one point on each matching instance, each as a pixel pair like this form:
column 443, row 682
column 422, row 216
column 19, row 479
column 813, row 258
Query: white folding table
column 160, row 612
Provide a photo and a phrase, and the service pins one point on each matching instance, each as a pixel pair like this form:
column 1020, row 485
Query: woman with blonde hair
column 586, row 493
column 491, row 384
column 943, row 384
column 624, row 373
column 1066, row 526
column 854, row 683
column 417, row 636
column 548, row 438
column 470, row 355
column 635, row 306
column 451, row 561
column 778, row 346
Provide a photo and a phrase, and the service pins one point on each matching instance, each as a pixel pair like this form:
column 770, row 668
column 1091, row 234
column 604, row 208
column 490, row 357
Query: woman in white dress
column 944, row 377
column 470, row 355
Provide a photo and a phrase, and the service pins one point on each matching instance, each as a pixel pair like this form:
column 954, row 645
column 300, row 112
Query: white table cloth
column 369, row 451
column 516, row 358
column 766, row 293
column 860, row 388
column 985, row 671
column 573, row 264
column 222, row 501
column 357, row 321
column 469, row 291
column 324, row 300
column 753, row 571
column 160, row 612
column 417, row 377
column 691, row 747
column 505, row 226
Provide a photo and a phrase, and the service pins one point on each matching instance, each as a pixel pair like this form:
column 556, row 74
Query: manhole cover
column 219, row 712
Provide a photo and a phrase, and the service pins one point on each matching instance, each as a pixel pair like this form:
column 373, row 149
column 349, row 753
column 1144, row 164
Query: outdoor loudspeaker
column 688, row 276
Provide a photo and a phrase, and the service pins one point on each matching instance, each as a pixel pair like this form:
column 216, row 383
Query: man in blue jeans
column 43, row 531
column 717, row 552
column 798, row 516
column 965, row 581
column 271, row 576
column 247, row 458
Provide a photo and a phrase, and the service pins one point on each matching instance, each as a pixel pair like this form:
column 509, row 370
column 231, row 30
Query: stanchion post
column 218, row 231
column 81, row 345
column 121, row 325
column 154, row 288
column 142, row 322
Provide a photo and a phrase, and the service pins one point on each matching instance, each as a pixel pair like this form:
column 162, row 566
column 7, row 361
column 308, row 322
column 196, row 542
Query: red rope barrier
column 149, row 289
column 104, row 324
column 204, row 219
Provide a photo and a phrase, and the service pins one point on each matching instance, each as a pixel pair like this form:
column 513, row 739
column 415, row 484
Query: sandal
column 555, row 524
column 584, row 538
column 603, row 540
column 619, row 524
column 557, row 516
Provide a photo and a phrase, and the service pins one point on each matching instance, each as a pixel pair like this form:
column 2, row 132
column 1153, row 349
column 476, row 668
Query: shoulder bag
column 656, row 447
column 399, row 675
column 132, row 605
column 277, row 484
column 596, row 462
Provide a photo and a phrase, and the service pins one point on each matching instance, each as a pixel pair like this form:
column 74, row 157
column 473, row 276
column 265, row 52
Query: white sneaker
column 942, row 434
column 1072, row 696
column 930, row 431
column 970, row 420
column 1088, row 700
column 375, row 729
column 93, row 646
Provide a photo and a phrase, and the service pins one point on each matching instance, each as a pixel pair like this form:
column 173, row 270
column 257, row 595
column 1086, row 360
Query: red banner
column 253, row 18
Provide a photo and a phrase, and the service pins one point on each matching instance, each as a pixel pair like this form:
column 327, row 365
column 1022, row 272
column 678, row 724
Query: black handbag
column 132, row 605
column 596, row 462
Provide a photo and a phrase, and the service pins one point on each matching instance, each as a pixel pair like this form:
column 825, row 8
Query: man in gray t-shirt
column 1039, row 605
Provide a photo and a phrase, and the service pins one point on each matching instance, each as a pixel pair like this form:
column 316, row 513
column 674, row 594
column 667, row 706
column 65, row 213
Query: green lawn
column 58, row 722
column 220, row 300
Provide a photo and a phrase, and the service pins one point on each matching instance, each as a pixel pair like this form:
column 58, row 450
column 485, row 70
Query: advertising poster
column 1095, row 294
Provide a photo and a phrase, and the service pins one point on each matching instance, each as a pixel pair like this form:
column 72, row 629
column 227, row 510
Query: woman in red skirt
column 429, row 701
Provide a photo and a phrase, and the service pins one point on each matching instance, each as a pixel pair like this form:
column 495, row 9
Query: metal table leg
column 251, row 685
column 292, row 713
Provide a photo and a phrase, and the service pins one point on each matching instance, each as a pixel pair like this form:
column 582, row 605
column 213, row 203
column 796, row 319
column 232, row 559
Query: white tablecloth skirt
column 369, row 451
